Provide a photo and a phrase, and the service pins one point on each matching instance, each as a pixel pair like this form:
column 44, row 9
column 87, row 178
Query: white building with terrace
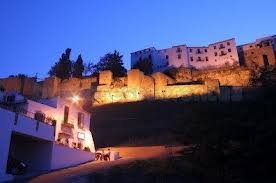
column 45, row 134
column 215, row 55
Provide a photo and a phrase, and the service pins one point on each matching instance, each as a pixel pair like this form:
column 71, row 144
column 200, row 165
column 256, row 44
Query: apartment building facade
column 215, row 55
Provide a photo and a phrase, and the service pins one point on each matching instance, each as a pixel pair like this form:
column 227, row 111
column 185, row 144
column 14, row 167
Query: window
column 222, row 53
column 207, row 59
column 198, row 51
column 167, row 57
column 199, row 59
column 221, row 46
column 216, row 54
column 215, row 47
column 149, row 57
column 265, row 59
column 228, row 43
column 229, row 50
column 66, row 114
column 179, row 56
column 191, row 50
column 178, row 50
column 192, row 59
column 266, row 44
column 205, row 50
column 80, row 119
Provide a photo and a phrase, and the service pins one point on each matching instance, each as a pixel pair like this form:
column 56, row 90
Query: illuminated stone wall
column 26, row 86
column 230, row 76
column 53, row 86
column 205, row 85
column 158, row 86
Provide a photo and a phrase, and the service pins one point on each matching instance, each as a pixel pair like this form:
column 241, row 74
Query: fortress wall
column 50, row 87
column 171, row 92
column 53, row 86
column 227, row 77
column 25, row 85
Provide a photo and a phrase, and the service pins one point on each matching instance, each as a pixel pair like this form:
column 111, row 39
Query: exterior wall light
column 75, row 99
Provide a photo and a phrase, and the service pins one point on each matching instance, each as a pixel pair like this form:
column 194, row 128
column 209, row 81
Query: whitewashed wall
column 6, row 121
column 58, row 114
column 26, row 125
column 171, row 55
column 65, row 157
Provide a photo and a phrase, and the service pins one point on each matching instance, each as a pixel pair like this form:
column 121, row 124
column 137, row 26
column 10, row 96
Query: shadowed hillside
column 234, row 142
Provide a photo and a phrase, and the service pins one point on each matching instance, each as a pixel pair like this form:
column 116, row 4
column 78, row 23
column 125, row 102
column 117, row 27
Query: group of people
column 103, row 155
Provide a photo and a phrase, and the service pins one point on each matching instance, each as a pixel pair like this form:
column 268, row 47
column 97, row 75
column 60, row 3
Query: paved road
column 81, row 170
column 129, row 154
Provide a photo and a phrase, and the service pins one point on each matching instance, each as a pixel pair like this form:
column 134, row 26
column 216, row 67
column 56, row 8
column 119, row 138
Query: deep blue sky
column 34, row 33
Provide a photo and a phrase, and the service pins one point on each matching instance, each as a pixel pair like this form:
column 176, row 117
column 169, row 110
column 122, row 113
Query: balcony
column 26, row 125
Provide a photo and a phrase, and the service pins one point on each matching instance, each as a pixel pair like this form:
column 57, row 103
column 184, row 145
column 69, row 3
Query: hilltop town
column 221, row 71
column 51, row 117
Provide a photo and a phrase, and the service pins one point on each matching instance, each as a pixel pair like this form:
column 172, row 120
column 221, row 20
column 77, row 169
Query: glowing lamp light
column 76, row 99
column 81, row 136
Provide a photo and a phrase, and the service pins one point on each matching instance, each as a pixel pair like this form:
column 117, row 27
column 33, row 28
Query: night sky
column 34, row 33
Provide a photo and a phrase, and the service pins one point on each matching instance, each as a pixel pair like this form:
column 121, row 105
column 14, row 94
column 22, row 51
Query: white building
column 213, row 56
column 45, row 135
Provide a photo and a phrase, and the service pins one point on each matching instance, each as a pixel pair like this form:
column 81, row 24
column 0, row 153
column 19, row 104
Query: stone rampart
column 227, row 77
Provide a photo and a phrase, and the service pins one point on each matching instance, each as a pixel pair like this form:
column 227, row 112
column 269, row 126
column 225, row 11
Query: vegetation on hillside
column 66, row 67
column 113, row 62
column 145, row 66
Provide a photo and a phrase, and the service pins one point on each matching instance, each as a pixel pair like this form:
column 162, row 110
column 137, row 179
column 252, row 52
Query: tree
column 144, row 65
column 112, row 62
column 89, row 68
column 78, row 67
column 62, row 68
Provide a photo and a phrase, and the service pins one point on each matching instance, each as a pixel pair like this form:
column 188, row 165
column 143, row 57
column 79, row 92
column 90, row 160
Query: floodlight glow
column 76, row 99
